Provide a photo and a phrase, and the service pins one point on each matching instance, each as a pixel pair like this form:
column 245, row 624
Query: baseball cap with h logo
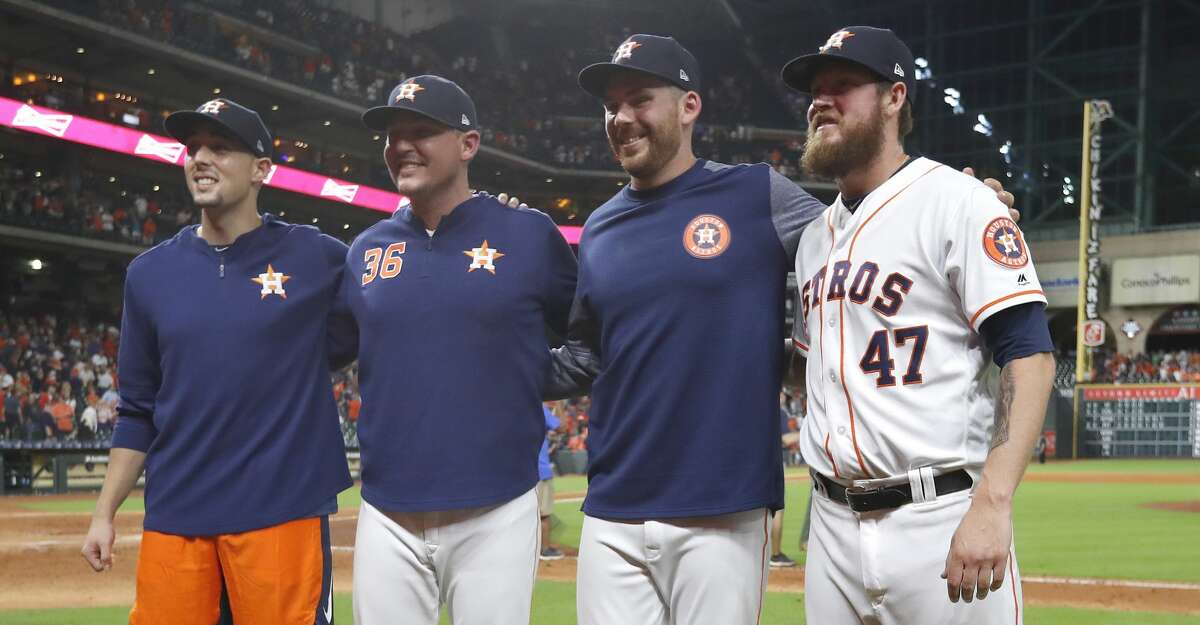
column 228, row 116
column 660, row 57
column 434, row 97
column 878, row 50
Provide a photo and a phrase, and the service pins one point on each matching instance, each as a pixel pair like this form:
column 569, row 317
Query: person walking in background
column 545, row 486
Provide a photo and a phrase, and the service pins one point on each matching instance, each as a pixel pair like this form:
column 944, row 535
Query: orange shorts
column 279, row 575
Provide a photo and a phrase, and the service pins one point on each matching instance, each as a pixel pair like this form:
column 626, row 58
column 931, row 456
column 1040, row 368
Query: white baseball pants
column 479, row 562
column 885, row 567
column 697, row 571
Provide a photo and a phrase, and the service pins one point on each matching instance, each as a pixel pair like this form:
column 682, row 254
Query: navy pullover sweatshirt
column 453, row 352
column 224, row 378
column 679, row 317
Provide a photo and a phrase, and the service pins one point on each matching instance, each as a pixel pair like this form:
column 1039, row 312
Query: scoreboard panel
column 1140, row 420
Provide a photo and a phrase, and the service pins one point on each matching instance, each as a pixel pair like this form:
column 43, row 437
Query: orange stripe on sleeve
column 1005, row 298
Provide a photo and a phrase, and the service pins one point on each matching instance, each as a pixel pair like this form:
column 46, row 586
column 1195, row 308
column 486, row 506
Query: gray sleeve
column 792, row 208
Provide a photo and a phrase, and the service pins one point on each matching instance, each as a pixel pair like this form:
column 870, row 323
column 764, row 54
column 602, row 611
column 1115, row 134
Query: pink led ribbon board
column 98, row 134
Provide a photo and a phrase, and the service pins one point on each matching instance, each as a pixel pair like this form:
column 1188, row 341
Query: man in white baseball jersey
column 909, row 283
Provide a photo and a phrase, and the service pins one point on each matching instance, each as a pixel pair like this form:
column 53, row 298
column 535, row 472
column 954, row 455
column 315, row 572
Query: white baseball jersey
column 892, row 298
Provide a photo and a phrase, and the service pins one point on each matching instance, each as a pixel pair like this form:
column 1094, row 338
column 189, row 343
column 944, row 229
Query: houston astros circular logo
column 706, row 236
column 1003, row 244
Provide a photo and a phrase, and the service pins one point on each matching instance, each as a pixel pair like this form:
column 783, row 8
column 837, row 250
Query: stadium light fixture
column 328, row 123
column 274, row 107
column 216, row 91
column 345, row 226
column 282, row 214
column 112, row 178
column 156, row 187
column 549, row 180
column 315, row 220
column 36, row 264
column 37, row 174
column 150, row 72
column 79, row 50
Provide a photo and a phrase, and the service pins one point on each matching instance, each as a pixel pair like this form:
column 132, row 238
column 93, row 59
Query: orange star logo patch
column 272, row 283
column 483, row 257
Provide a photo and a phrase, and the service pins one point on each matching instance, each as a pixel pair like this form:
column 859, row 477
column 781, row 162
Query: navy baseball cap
column 432, row 96
column 661, row 57
column 877, row 49
column 243, row 123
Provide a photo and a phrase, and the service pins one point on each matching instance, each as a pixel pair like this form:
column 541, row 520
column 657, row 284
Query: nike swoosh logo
column 329, row 604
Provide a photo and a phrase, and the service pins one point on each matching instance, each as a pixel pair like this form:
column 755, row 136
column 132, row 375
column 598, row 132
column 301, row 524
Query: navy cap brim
column 595, row 77
column 181, row 124
column 378, row 117
column 799, row 72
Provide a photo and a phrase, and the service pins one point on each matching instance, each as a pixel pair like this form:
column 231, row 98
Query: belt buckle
column 859, row 494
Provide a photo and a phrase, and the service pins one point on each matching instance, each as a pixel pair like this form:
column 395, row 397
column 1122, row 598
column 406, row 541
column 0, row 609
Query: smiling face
column 219, row 170
column 645, row 120
column 846, row 120
column 424, row 156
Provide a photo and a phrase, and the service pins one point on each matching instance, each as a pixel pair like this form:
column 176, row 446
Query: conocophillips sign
column 1158, row 280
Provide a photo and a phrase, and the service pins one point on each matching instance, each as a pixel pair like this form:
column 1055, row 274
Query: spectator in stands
column 61, row 413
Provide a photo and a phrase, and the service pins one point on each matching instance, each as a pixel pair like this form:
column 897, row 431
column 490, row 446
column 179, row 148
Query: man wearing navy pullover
column 452, row 296
column 676, row 328
column 225, row 398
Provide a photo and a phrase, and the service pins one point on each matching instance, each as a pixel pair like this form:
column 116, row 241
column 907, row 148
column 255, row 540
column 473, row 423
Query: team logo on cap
column 1003, row 244
column 272, row 283
column 625, row 50
column 408, row 91
column 836, row 40
column 483, row 257
column 706, row 236
column 213, row 107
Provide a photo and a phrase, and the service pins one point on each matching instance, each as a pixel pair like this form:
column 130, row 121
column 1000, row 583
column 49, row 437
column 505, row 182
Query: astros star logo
column 836, row 40
column 213, row 107
column 483, row 257
column 272, row 283
column 408, row 91
column 625, row 50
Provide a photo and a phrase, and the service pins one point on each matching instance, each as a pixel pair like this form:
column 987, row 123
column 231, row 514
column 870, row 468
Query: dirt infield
column 1178, row 506
column 43, row 568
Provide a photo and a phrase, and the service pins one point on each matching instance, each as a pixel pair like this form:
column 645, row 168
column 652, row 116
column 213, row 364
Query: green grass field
column 554, row 604
column 1062, row 529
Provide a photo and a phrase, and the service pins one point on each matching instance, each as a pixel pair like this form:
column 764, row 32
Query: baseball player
column 675, row 328
column 911, row 284
column 452, row 294
column 225, row 398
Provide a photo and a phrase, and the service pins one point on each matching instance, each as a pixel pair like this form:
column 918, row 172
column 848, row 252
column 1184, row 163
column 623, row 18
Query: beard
column 858, row 146
column 663, row 143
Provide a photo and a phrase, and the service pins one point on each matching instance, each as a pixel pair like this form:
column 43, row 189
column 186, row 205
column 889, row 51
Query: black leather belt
column 886, row 497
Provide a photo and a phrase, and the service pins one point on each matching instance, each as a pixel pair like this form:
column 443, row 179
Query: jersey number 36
column 389, row 268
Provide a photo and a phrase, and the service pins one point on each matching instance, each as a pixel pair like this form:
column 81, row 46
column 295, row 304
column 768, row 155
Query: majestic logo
column 213, row 107
column 706, row 236
column 1022, row 280
column 272, row 283
column 343, row 192
column 625, row 50
column 483, row 257
column 56, row 125
column 408, row 91
column 169, row 152
column 836, row 40
column 1002, row 243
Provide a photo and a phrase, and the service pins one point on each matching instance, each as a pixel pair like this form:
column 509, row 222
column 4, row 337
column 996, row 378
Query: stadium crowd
column 1171, row 367
column 528, row 99
column 93, row 205
column 58, row 378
